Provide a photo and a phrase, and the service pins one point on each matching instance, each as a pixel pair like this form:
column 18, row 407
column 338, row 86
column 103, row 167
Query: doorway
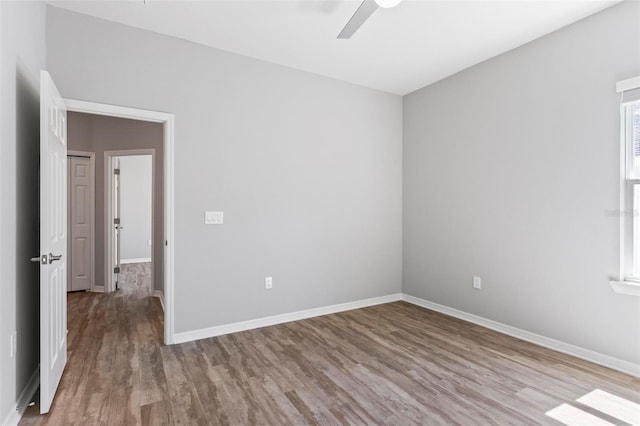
column 130, row 226
column 163, row 169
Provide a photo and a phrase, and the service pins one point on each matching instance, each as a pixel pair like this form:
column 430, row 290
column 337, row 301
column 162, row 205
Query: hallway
column 114, row 346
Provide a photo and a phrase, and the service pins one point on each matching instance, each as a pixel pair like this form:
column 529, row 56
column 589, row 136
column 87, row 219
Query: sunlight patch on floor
column 613, row 405
column 573, row 416
column 604, row 402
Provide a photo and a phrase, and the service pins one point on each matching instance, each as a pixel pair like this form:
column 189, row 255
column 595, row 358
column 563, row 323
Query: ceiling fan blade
column 366, row 8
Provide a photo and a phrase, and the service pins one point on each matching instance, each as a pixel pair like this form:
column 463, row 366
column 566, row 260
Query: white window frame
column 629, row 279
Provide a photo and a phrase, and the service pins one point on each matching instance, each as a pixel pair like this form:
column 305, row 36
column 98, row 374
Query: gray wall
column 510, row 168
column 94, row 133
column 135, row 211
column 306, row 169
column 22, row 56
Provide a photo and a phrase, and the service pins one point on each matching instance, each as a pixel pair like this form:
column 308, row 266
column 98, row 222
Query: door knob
column 53, row 257
column 40, row 259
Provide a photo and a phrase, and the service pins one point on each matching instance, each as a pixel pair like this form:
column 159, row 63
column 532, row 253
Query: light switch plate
column 477, row 283
column 213, row 218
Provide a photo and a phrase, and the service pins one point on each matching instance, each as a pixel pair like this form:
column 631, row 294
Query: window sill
column 626, row 287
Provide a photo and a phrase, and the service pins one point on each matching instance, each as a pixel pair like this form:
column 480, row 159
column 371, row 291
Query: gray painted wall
column 22, row 56
column 306, row 169
column 510, row 168
column 308, row 172
column 94, row 133
column 135, row 211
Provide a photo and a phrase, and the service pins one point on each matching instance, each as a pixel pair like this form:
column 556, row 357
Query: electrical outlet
column 13, row 344
column 477, row 283
column 268, row 282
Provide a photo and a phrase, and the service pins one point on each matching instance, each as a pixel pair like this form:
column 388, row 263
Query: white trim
column 576, row 351
column 569, row 349
column 92, row 212
column 98, row 289
column 117, row 111
column 204, row 333
column 625, row 287
column 169, row 139
column 628, row 84
column 26, row 396
column 136, row 260
column 622, row 194
column 169, row 214
column 160, row 296
column 5, row 379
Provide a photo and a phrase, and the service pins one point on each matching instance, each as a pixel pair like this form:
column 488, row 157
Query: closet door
column 81, row 223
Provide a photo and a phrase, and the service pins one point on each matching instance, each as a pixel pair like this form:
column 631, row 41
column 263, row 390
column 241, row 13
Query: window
column 631, row 138
column 629, row 281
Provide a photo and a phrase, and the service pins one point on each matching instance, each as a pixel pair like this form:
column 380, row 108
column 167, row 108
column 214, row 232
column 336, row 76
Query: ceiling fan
column 365, row 10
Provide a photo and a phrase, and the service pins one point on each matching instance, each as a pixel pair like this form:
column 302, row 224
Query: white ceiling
column 397, row 50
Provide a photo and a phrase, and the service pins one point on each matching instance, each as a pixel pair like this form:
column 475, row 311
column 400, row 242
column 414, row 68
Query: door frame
column 109, row 156
column 168, row 121
column 92, row 212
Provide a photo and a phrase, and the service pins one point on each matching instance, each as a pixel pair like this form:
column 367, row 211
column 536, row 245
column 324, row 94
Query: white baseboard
column 97, row 289
column 188, row 336
column 136, row 260
column 569, row 349
column 160, row 296
column 23, row 401
column 576, row 351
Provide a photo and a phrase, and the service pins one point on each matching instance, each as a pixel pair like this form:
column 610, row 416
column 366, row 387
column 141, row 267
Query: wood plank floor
column 393, row 364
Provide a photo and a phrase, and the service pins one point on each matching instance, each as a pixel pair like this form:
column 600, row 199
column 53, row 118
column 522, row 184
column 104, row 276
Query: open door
column 117, row 226
column 53, row 240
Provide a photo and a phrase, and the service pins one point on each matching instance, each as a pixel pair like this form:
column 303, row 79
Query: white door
column 117, row 226
column 53, row 243
column 80, row 259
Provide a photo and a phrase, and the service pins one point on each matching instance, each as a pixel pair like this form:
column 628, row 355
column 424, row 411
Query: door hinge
column 116, row 221
column 116, row 171
column 116, row 270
